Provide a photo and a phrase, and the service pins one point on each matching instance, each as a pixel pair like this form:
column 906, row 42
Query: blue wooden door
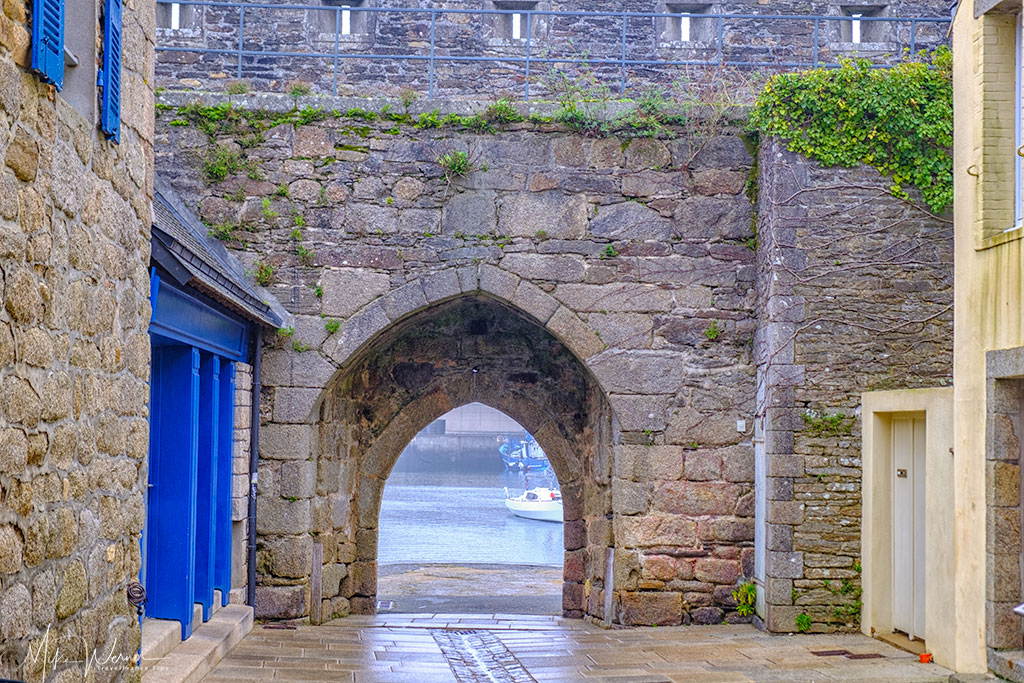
column 173, row 475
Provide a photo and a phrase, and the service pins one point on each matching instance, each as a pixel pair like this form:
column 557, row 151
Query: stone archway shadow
column 465, row 349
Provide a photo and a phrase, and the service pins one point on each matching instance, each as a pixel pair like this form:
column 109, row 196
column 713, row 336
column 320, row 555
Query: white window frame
column 855, row 28
column 517, row 26
column 175, row 16
column 346, row 20
column 684, row 28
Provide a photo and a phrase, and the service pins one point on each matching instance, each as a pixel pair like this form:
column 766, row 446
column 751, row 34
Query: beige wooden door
column 908, row 491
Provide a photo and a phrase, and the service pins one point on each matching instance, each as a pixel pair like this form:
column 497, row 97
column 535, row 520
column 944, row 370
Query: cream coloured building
column 942, row 467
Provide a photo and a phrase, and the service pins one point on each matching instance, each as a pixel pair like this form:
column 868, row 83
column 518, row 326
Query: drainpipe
column 254, row 451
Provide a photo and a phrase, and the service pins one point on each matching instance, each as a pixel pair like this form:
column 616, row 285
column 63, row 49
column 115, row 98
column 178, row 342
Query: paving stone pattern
column 478, row 655
column 454, row 648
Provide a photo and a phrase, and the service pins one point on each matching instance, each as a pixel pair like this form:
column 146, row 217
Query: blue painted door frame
column 206, row 498
column 187, row 540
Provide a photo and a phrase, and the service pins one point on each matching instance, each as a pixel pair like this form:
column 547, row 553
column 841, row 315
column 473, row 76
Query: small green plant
column 389, row 201
column 298, row 219
column 745, row 596
column 264, row 273
column 308, row 115
column 236, row 87
column 408, row 96
column 429, row 119
column 224, row 232
column 456, row 163
column 803, row 622
column 713, row 331
column 236, row 196
column 502, row 111
column 318, row 291
column 609, row 252
column 296, row 234
column 220, row 162
column 268, row 213
column 542, row 234
column 362, row 114
column 285, row 331
column 299, row 89
column 305, row 255
column 281, row 191
column 332, row 326
column 299, row 346
column 649, row 117
column 827, row 424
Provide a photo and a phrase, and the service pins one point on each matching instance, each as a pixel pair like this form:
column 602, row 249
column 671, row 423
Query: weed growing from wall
column 898, row 120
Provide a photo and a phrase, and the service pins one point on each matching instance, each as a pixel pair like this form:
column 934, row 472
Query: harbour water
column 460, row 518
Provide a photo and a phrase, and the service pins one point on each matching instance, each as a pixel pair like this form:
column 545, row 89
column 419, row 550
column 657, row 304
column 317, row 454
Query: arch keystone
column 497, row 282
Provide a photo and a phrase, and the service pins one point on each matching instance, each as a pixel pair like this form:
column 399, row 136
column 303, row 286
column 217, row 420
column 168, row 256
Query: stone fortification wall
column 311, row 31
column 855, row 295
column 639, row 256
column 634, row 254
column 74, row 363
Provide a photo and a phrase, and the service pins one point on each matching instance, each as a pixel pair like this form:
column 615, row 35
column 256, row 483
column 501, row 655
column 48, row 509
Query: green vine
column 828, row 424
column 898, row 120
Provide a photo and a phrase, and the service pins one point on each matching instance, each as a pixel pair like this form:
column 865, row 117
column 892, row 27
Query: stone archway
column 472, row 348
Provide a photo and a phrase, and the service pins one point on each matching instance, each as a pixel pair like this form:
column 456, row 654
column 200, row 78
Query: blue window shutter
column 110, row 76
column 48, row 40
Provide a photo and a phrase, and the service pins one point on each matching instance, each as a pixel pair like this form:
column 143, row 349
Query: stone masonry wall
column 855, row 295
column 637, row 255
column 240, row 482
column 74, row 363
column 630, row 253
column 307, row 31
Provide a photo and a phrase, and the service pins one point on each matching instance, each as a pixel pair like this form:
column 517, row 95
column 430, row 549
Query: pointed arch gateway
column 473, row 347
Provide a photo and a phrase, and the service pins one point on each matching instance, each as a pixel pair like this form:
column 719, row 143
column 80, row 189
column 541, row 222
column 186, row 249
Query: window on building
column 174, row 16
column 81, row 24
column 856, row 30
column 346, row 21
column 512, row 27
column 688, row 27
column 997, row 169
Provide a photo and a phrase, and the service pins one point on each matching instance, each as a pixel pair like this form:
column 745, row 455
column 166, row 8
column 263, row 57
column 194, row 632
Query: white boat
column 540, row 503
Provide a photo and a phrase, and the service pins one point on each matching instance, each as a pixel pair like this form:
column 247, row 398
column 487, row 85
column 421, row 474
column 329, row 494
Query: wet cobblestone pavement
column 453, row 648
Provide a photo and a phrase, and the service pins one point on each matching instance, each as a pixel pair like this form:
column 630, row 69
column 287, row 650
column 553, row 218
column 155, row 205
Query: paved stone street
column 514, row 648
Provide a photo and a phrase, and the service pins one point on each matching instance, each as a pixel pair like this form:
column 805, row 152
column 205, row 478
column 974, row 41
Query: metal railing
column 526, row 53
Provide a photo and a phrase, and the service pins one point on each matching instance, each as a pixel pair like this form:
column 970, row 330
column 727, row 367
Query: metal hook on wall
column 973, row 172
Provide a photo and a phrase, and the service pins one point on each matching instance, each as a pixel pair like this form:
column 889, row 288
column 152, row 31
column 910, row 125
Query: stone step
column 159, row 637
column 191, row 660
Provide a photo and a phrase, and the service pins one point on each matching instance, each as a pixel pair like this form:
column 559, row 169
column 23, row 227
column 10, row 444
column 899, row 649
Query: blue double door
column 187, row 542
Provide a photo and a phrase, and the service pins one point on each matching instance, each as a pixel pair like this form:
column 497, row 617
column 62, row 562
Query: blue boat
column 525, row 455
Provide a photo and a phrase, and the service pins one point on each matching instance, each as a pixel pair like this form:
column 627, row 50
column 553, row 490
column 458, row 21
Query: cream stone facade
column 989, row 324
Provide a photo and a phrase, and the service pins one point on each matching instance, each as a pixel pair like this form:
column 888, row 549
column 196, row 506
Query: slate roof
column 181, row 245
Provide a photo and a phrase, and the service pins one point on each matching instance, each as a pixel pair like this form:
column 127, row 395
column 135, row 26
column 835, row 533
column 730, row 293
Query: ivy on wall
column 898, row 120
